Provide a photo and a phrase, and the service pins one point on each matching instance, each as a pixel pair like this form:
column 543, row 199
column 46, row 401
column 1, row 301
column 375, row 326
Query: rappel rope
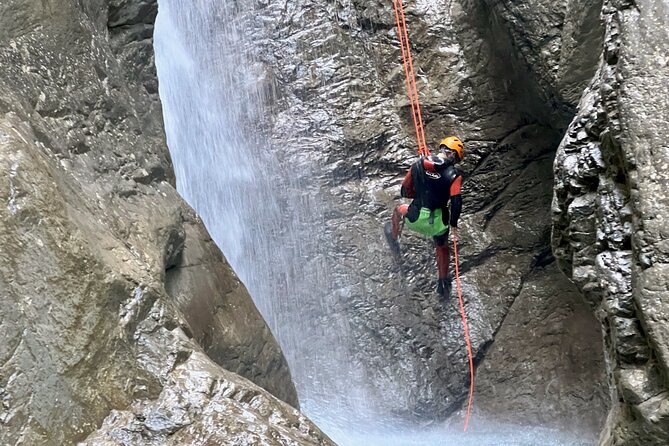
column 410, row 77
column 466, row 327
column 424, row 151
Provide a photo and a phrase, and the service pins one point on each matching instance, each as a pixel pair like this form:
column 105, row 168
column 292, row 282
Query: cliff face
column 340, row 122
column 113, row 293
column 111, row 290
column 609, row 213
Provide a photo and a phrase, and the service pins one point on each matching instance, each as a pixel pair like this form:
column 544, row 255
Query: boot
column 444, row 287
column 392, row 241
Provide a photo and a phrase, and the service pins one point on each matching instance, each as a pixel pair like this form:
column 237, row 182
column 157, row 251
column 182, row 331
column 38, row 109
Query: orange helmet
column 453, row 143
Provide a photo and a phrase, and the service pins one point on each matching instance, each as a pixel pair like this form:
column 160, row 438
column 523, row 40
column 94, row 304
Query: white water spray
column 262, row 216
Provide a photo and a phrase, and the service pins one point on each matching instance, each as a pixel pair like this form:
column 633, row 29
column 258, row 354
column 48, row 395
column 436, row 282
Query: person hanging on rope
column 432, row 181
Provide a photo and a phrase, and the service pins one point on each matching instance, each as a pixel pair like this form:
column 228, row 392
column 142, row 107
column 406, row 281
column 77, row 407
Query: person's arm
column 456, row 201
column 408, row 190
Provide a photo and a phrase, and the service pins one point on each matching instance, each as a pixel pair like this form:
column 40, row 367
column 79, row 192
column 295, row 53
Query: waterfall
column 264, row 216
column 264, row 211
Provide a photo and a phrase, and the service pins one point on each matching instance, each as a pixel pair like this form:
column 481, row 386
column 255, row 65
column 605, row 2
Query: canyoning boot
column 444, row 287
column 392, row 241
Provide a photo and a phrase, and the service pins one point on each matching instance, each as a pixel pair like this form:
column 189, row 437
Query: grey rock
column 638, row 384
column 81, row 196
column 201, row 403
column 212, row 303
column 541, row 355
column 618, row 113
column 560, row 42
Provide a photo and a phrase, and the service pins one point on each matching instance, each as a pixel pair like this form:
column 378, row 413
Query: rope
column 423, row 150
column 464, row 323
column 407, row 61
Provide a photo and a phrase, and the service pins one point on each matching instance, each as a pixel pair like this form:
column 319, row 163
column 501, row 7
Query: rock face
column 340, row 123
column 201, row 403
column 609, row 214
column 113, row 294
column 542, row 348
column 560, row 43
column 111, row 291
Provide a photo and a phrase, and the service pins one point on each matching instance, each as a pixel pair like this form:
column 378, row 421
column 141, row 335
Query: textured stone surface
column 337, row 113
column 560, row 42
column 544, row 347
column 201, row 403
column 609, row 224
column 103, row 257
column 95, row 240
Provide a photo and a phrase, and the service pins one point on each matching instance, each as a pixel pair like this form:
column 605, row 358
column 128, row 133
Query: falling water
column 266, row 216
column 259, row 212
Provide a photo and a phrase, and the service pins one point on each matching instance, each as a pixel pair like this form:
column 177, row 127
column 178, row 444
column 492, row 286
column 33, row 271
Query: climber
column 431, row 181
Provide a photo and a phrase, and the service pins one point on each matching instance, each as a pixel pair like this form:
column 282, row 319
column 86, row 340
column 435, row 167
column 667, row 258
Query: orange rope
column 464, row 323
column 407, row 61
column 406, row 54
column 413, row 77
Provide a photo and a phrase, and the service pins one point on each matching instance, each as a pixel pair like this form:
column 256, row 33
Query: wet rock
column 212, row 304
column 617, row 112
column 559, row 41
column 202, row 403
column 519, row 371
column 637, row 384
column 339, row 124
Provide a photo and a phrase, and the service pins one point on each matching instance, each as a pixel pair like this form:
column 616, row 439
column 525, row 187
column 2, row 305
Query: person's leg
column 393, row 228
column 443, row 254
column 398, row 215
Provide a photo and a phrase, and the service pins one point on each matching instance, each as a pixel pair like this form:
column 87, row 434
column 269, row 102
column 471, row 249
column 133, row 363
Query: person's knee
column 441, row 240
column 402, row 209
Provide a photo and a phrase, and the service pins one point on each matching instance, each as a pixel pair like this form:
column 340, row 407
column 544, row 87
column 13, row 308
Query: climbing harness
column 410, row 77
column 423, row 150
column 464, row 323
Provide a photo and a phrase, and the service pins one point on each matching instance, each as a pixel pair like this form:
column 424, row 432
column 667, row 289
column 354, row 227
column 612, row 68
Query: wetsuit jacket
column 433, row 189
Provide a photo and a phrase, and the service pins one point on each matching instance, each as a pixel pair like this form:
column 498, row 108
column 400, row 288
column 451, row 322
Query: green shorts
column 428, row 223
